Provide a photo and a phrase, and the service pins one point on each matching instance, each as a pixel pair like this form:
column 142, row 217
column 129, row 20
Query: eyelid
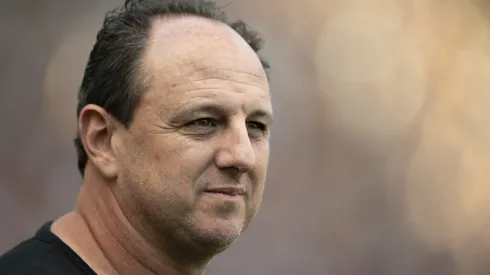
column 263, row 126
column 210, row 119
column 261, row 129
column 259, row 123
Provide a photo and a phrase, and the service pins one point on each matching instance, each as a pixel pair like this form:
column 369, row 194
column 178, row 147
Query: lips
column 230, row 191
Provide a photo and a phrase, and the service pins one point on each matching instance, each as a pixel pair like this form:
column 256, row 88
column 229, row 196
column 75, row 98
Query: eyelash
column 262, row 127
column 259, row 125
column 196, row 122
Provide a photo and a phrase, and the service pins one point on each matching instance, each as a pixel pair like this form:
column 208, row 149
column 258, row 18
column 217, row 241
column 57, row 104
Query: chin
column 217, row 235
column 223, row 231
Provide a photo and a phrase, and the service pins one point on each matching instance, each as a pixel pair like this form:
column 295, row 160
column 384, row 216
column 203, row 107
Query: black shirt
column 43, row 254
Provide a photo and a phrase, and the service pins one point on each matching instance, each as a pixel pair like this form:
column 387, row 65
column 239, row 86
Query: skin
column 203, row 124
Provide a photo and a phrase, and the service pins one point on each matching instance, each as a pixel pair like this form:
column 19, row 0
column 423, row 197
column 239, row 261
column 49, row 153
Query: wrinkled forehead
column 190, row 47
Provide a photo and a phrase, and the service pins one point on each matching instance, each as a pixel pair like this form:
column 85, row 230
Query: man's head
column 174, row 114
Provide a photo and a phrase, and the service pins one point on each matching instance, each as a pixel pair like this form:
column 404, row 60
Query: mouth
column 228, row 191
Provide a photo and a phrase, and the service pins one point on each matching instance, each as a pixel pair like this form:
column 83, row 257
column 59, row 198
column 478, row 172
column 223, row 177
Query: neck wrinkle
column 124, row 248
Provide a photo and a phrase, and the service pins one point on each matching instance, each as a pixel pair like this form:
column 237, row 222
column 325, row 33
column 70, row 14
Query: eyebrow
column 220, row 110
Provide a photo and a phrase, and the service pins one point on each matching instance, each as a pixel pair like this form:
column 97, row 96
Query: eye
column 256, row 125
column 203, row 127
column 256, row 128
column 203, row 123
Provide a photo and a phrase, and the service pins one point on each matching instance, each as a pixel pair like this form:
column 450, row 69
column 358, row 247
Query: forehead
column 191, row 57
column 183, row 46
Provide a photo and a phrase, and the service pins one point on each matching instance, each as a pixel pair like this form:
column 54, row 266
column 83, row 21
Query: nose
column 236, row 150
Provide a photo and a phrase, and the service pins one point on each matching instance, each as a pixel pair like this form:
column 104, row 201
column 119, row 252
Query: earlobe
column 96, row 130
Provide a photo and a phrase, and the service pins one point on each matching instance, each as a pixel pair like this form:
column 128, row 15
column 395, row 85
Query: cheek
column 152, row 187
column 259, row 174
column 258, row 181
column 139, row 172
column 261, row 165
column 173, row 172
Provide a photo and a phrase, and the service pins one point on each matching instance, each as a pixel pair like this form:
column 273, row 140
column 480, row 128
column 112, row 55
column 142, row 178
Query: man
column 173, row 145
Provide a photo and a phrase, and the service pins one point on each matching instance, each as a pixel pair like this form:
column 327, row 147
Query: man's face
column 193, row 163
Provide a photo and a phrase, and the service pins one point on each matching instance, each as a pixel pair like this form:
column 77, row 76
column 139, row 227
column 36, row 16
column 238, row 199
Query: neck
column 102, row 236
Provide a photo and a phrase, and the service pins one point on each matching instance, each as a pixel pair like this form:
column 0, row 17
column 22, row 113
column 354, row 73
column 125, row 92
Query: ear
column 96, row 129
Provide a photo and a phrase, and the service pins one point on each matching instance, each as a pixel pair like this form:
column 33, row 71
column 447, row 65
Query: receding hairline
column 211, row 35
column 185, row 25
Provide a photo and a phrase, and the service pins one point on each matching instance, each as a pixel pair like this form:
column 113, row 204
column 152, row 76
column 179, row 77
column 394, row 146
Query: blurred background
column 381, row 147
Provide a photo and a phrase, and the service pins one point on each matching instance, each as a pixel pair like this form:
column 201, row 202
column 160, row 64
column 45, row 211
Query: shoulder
column 40, row 256
column 32, row 256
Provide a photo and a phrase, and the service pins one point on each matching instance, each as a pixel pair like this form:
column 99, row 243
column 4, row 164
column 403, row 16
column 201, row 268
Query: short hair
column 113, row 78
